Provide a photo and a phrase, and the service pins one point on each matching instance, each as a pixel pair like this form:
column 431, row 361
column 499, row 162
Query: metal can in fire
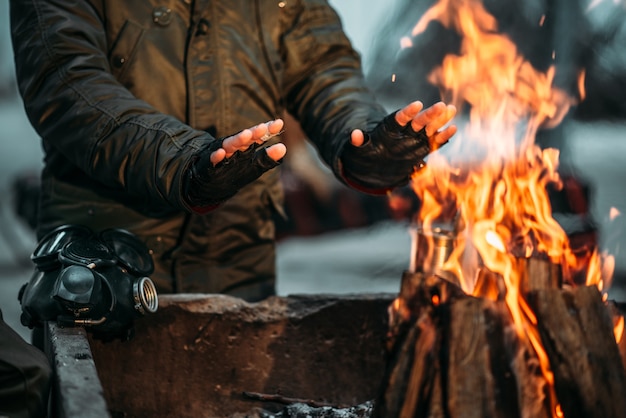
column 432, row 246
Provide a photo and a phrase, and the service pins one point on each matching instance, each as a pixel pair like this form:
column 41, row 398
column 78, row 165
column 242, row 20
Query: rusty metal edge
column 76, row 390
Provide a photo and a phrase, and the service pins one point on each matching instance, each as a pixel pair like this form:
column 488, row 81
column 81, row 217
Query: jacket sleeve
column 323, row 81
column 80, row 110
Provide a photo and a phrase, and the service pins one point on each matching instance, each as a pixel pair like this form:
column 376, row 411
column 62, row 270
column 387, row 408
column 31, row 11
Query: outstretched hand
column 227, row 165
column 432, row 119
column 387, row 155
column 258, row 134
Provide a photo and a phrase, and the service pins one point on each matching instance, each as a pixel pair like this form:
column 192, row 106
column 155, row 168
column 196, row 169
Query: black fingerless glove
column 208, row 185
column 390, row 154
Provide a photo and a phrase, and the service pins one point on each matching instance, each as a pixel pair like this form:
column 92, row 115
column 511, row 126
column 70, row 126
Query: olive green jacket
column 125, row 92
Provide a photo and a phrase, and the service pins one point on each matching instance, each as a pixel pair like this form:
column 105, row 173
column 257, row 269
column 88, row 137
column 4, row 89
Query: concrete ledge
column 199, row 353
column 76, row 390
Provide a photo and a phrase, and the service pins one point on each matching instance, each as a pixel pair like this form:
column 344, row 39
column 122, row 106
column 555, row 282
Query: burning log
column 463, row 358
column 618, row 311
column 413, row 348
column 577, row 332
column 451, row 354
column 538, row 274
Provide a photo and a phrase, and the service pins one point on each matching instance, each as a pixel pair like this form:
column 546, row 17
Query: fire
column 499, row 192
column 490, row 183
column 619, row 329
column 435, row 300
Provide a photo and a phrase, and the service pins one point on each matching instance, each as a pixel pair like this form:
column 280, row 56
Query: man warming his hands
column 160, row 118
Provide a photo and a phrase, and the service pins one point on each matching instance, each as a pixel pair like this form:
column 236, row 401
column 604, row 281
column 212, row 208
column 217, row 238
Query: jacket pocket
column 124, row 48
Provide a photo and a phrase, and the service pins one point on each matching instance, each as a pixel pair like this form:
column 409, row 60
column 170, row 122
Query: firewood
column 454, row 355
column 489, row 285
column 458, row 356
column 576, row 331
column 618, row 312
column 538, row 273
column 487, row 365
column 411, row 354
column 411, row 385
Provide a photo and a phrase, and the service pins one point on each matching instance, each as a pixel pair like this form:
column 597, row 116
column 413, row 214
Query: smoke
column 565, row 33
column 606, row 63
column 398, row 75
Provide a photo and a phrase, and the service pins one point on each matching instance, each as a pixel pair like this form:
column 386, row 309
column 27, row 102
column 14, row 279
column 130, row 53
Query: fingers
column 218, row 156
column 275, row 127
column 241, row 141
column 433, row 120
column 436, row 129
column 427, row 116
column 439, row 120
column 276, row 151
column 265, row 131
column 442, row 136
column 357, row 138
column 238, row 142
column 256, row 134
column 409, row 112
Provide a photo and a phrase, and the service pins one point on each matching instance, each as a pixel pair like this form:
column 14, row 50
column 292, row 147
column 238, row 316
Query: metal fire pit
column 201, row 356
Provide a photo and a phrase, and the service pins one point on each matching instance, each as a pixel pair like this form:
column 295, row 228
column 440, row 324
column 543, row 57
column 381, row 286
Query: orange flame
column 618, row 329
column 435, row 300
column 500, row 190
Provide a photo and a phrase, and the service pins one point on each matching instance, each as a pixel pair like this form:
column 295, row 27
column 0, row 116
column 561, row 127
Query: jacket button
column 118, row 61
column 162, row 16
column 203, row 27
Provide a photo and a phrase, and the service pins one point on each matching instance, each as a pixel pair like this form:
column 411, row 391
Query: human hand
column 386, row 156
column 222, row 170
column 258, row 134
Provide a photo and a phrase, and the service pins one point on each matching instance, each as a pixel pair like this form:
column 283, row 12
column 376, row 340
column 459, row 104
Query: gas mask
column 95, row 280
